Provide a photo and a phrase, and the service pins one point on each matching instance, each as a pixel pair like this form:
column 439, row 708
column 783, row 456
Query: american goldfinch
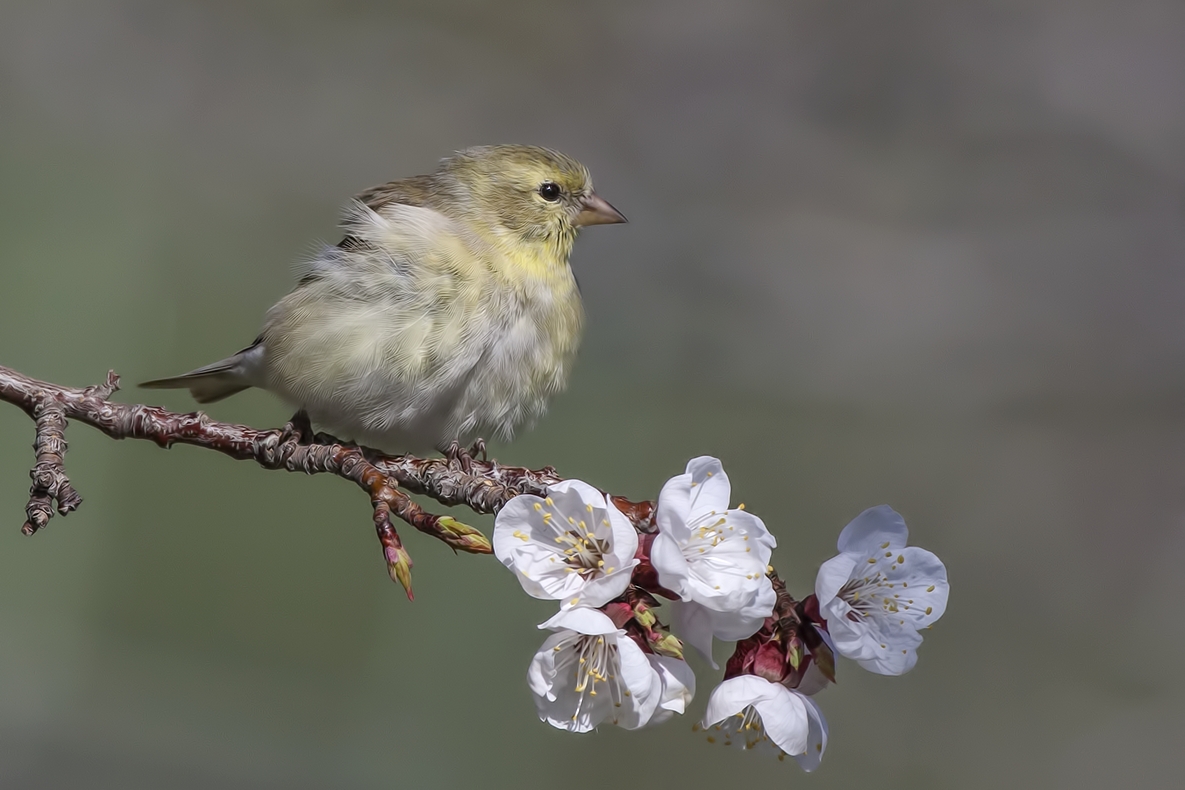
column 448, row 310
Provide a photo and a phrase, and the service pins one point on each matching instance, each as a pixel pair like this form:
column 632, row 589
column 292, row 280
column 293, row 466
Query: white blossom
column 878, row 593
column 713, row 557
column 589, row 671
column 750, row 712
column 572, row 545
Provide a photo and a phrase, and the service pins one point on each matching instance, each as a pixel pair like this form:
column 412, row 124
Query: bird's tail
column 218, row 380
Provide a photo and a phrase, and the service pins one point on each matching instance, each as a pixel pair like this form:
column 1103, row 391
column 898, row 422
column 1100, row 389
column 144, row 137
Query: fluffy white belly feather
column 408, row 356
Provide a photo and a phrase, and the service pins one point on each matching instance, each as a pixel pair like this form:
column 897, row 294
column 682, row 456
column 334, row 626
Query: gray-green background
column 923, row 253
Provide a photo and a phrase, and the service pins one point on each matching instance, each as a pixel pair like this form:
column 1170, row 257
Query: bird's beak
column 597, row 211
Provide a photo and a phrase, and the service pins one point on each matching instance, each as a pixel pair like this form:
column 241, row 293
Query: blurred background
column 922, row 253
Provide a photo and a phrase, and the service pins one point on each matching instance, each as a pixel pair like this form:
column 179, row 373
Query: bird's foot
column 478, row 448
column 328, row 438
column 299, row 429
column 462, row 458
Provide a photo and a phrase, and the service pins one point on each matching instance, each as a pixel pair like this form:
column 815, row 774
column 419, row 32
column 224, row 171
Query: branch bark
column 483, row 486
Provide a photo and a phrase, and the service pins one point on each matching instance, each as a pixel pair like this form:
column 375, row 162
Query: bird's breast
column 529, row 359
column 390, row 355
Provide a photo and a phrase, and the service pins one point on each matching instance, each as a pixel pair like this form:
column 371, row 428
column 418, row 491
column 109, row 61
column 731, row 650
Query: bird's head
column 533, row 195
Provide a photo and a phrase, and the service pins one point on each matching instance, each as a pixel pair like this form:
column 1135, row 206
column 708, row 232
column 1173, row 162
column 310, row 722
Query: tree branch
column 482, row 486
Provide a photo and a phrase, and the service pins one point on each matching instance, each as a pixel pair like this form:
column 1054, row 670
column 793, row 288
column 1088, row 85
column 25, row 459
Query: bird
column 448, row 312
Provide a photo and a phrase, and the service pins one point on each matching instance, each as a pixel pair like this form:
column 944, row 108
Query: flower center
column 593, row 661
column 745, row 729
column 864, row 595
column 707, row 531
column 871, row 595
column 585, row 552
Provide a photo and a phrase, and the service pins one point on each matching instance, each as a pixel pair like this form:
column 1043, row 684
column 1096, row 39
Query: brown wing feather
column 417, row 191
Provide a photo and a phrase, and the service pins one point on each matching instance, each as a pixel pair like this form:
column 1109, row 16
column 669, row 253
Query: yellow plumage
column 448, row 310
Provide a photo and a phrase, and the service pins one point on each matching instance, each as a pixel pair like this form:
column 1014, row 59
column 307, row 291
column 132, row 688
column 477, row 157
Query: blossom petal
column 696, row 624
column 625, row 537
column 851, row 638
column 895, row 660
column 734, row 695
column 667, row 558
column 582, row 620
column 693, row 624
column 738, row 532
column 642, row 681
column 921, row 578
column 746, row 620
column 673, row 511
column 571, row 496
column 512, row 526
column 603, row 589
column 878, row 525
column 565, row 708
column 879, row 643
column 677, row 689
column 833, row 575
column 816, row 738
column 785, row 719
column 710, row 489
column 541, row 673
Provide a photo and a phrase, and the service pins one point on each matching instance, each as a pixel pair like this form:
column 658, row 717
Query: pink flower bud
column 769, row 662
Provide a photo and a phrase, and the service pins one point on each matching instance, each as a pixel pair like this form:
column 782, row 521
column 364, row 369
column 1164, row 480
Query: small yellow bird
column 448, row 310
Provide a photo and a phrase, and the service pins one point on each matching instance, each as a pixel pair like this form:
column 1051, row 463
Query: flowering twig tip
column 399, row 567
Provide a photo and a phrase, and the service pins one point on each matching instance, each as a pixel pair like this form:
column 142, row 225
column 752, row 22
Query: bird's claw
column 298, row 430
column 478, row 448
column 463, row 458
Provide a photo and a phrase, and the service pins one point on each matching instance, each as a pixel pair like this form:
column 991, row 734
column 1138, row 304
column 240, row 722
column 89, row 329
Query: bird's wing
column 415, row 191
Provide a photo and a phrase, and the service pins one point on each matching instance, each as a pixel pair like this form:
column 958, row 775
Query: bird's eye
column 549, row 191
